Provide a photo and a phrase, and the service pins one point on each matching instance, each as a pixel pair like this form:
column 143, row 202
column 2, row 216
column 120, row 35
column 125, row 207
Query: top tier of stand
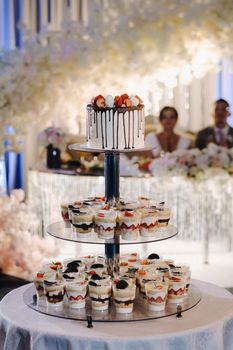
column 84, row 148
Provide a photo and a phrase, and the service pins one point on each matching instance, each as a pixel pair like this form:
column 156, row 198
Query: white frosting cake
column 114, row 127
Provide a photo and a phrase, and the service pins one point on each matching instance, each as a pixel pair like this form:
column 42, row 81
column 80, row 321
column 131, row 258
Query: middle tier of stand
column 66, row 231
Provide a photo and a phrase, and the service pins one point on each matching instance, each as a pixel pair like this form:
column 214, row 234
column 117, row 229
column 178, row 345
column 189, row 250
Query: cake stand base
column 140, row 312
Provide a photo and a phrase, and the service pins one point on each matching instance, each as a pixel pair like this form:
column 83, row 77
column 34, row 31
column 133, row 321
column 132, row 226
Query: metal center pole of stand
column 112, row 193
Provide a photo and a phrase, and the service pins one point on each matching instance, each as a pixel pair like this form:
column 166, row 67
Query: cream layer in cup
column 156, row 293
column 176, row 289
column 76, row 294
column 129, row 223
column 182, row 271
column 82, row 220
column 163, row 217
column 100, row 292
column 54, row 292
column 105, row 222
column 149, row 222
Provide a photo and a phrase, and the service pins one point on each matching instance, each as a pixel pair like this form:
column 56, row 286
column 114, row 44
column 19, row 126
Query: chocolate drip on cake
column 113, row 127
column 129, row 131
column 102, row 131
column 106, row 138
column 97, row 132
column 124, row 130
column 106, row 116
column 138, row 124
column 140, row 117
column 133, row 131
column 117, row 130
column 89, row 124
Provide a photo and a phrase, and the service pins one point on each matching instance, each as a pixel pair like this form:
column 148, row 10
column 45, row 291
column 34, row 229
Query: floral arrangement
column 118, row 101
column 194, row 162
column 156, row 42
column 51, row 136
column 21, row 252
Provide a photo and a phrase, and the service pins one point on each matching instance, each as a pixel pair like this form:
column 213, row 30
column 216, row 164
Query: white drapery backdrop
column 194, row 101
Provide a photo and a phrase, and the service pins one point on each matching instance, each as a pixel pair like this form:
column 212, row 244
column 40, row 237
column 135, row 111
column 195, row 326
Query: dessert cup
column 82, row 220
column 156, row 294
column 54, row 292
column 176, row 289
column 105, row 223
column 39, row 284
column 149, row 222
column 124, row 293
column 163, row 217
column 129, row 222
column 146, row 276
column 100, row 292
column 65, row 213
column 76, row 294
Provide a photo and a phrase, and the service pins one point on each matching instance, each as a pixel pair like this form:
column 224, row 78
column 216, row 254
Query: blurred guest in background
column 221, row 133
column 167, row 140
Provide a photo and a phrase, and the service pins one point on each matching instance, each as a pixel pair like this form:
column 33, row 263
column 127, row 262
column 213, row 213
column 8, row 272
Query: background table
column 208, row 326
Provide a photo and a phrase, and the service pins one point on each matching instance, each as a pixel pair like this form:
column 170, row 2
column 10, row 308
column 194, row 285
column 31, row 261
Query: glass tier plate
column 85, row 148
column 140, row 312
column 64, row 230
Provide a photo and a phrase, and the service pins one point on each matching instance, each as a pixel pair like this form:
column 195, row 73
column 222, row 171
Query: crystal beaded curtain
column 202, row 209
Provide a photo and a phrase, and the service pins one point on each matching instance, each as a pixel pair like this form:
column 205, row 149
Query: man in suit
column 221, row 133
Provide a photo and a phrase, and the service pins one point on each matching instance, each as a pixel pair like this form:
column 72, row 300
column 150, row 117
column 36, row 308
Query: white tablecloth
column 207, row 326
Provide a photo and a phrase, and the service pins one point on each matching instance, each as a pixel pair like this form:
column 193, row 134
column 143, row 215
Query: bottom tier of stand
column 140, row 311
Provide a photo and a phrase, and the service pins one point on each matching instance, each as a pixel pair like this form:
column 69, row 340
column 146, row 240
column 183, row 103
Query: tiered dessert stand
column 62, row 230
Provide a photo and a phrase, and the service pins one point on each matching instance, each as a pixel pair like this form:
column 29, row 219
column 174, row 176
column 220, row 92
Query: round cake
column 115, row 123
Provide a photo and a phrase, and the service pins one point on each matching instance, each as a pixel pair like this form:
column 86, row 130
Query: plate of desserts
column 93, row 221
column 144, row 288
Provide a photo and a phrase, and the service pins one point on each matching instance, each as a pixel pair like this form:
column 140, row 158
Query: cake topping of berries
column 153, row 256
column 128, row 213
column 101, row 215
column 119, row 101
column 39, row 275
column 176, row 279
column 122, row 284
column 96, row 277
column 159, row 286
column 99, row 101
column 141, row 272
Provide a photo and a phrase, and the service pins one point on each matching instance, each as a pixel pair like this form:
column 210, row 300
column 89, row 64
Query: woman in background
column 167, row 140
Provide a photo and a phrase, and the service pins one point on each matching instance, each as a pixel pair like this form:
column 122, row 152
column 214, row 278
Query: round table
column 207, row 326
